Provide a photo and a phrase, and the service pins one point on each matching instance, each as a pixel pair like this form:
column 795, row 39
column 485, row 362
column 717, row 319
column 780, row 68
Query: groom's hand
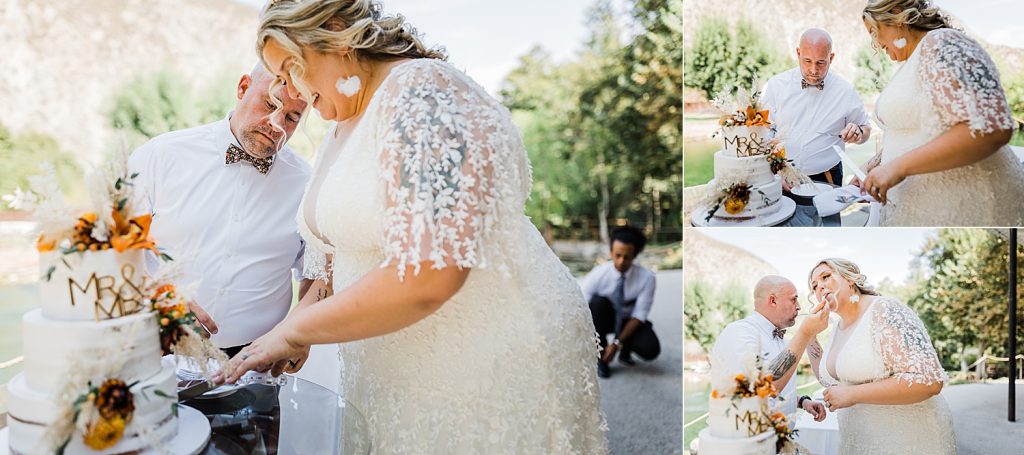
column 816, row 409
column 853, row 133
column 203, row 318
column 816, row 322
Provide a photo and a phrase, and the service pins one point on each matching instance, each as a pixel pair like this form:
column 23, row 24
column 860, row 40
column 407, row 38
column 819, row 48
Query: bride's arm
column 814, row 352
column 377, row 304
column 889, row 391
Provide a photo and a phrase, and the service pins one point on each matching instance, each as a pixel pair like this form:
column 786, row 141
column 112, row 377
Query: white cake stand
column 785, row 211
column 193, row 434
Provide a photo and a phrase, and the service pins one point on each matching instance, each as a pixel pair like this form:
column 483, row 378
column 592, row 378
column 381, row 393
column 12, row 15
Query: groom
column 813, row 110
column 776, row 307
column 224, row 198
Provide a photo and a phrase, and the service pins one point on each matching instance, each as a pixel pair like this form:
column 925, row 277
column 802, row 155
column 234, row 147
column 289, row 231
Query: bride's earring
column 348, row 86
column 900, row 43
column 855, row 296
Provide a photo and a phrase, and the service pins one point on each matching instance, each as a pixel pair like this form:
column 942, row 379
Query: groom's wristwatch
column 800, row 401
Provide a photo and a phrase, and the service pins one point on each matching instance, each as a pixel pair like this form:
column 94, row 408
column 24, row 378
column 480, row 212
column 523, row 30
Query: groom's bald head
column 814, row 55
column 776, row 299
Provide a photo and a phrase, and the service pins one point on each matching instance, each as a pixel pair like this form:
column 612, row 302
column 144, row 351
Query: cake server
column 195, row 390
column 849, row 162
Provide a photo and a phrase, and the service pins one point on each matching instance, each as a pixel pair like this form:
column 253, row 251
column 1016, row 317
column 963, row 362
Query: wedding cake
column 94, row 379
column 750, row 167
column 93, row 324
column 741, row 420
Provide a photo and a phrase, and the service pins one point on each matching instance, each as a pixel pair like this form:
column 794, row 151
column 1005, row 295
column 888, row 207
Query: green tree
column 961, row 293
column 720, row 60
column 603, row 130
column 155, row 103
column 873, row 70
column 20, row 155
column 708, row 310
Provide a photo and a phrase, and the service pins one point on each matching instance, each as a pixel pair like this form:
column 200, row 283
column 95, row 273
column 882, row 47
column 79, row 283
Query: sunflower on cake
column 750, row 169
column 94, row 380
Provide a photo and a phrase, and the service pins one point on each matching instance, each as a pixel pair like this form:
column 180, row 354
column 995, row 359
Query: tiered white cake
column 744, row 161
column 93, row 316
column 736, row 426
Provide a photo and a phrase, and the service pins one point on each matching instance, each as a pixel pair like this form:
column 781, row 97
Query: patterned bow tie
column 236, row 154
column 820, row 85
column 778, row 333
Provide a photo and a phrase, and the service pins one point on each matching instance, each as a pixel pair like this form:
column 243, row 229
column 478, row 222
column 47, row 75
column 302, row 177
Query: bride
column 946, row 122
column 460, row 330
column 880, row 372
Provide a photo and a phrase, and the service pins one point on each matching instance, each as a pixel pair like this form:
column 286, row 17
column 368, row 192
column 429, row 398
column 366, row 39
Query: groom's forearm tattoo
column 785, row 360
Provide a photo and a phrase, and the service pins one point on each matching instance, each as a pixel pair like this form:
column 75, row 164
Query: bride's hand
column 261, row 355
column 839, row 397
column 881, row 179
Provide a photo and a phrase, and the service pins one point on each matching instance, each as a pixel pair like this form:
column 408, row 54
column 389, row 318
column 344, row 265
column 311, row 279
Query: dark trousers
column 835, row 174
column 643, row 342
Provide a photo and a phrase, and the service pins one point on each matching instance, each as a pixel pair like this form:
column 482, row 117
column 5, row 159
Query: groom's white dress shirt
column 233, row 228
column 740, row 341
column 809, row 120
column 639, row 285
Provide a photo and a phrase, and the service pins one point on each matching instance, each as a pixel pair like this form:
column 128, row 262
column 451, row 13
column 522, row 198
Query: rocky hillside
column 784, row 20
column 63, row 59
column 719, row 264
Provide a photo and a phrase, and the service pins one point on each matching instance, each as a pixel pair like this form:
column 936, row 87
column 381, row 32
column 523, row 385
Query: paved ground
column 980, row 418
column 644, row 404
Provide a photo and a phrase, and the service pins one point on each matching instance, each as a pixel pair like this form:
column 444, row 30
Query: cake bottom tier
column 762, row 444
column 764, row 201
column 31, row 413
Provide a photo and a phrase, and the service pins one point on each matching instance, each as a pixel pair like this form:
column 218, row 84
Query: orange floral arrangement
column 110, row 224
column 173, row 315
column 734, row 197
column 110, row 407
column 743, row 109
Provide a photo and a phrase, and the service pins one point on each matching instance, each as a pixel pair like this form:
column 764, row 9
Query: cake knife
column 195, row 390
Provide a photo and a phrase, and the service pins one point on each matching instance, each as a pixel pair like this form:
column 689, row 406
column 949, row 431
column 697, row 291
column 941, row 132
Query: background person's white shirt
column 233, row 228
column 639, row 285
column 737, row 345
column 800, row 116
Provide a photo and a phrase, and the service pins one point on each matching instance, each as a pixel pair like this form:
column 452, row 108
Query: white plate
column 192, row 437
column 811, row 189
column 778, row 217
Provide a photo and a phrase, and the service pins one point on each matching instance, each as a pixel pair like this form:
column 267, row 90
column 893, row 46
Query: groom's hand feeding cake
column 93, row 378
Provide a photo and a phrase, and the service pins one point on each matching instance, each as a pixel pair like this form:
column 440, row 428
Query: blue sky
column 998, row 21
column 486, row 37
column 880, row 253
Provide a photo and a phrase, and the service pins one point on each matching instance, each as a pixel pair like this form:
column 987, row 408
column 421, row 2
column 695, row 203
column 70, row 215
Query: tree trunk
column 981, row 365
column 963, row 362
column 603, row 208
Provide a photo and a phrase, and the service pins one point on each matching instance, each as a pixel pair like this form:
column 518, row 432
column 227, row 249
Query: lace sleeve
column 438, row 163
column 315, row 264
column 903, row 342
column 962, row 83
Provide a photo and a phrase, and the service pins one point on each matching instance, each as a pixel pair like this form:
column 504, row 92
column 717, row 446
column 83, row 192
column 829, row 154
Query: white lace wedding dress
column 888, row 340
column 435, row 171
column 949, row 79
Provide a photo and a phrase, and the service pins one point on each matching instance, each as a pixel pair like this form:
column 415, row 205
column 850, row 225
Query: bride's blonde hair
column 848, row 270
column 355, row 26
column 919, row 14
